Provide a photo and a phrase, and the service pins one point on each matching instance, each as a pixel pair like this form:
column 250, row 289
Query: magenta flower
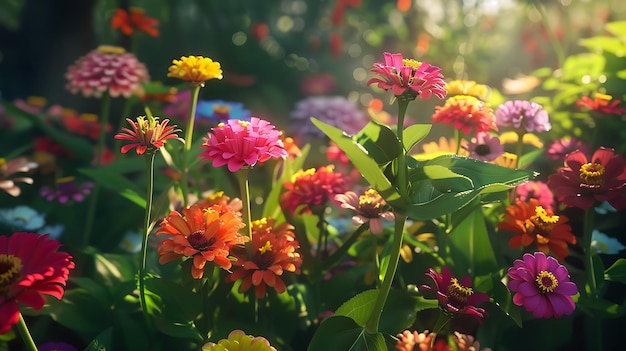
column 559, row 149
column 484, row 147
column 107, row 69
column 408, row 78
column 454, row 296
column 536, row 189
column 337, row 111
column 238, row 144
column 541, row 284
column 67, row 189
column 370, row 208
column 523, row 114
column 584, row 181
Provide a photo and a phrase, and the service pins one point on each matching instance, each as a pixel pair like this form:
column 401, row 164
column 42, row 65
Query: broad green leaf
column 342, row 333
column 503, row 299
column 529, row 157
column 116, row 182
column 617, row 271
column 445, row 180
column 102, row 342
column 413, row 134
column 617, row 28
column 608, row 44
column 600, row 308
column 470, row 246
column 180, row 329
column 380, row 142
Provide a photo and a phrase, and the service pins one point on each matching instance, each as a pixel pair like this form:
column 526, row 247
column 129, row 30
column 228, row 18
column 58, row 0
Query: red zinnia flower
column 148, row 134
column 205, row 235
column 408, row 78
column 456, row 296
column 84, row 124
column 584, row 181
column 274, row 252
column 313, row 188
column 533, row 224
column 465, row 113
column 601, row 103
column 128, row 21
column 30, row 266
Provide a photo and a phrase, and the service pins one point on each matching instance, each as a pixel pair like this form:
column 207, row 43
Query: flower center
column 482, row 150
column 458, row 291
column 109, row 49
column 10, row 272
column 370, row 204
column 266, row 248
column 198, row 241
column 411, row 63
column 221, row 111
column 546, row 282
column 592, row 175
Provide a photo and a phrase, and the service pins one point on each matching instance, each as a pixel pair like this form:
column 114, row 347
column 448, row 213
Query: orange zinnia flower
column 128, row 21
column 204, row 235
column 533, row 224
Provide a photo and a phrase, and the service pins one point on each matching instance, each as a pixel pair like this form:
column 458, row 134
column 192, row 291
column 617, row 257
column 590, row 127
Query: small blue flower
column 604, row 244
column 216, row 111
column 54, row 230
column 131, row 242
column 604, row 208
column 22, row 218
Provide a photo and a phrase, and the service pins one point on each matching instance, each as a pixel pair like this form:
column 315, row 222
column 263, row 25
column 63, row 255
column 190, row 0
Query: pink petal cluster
column 542, row 285
column 370, row 208
column 238, row 144
column 410, row 78
column 107, row 69
column 10, row 174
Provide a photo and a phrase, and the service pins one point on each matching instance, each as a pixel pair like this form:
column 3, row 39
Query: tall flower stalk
column 244, row 191
column 22, row 329
column 184, row 183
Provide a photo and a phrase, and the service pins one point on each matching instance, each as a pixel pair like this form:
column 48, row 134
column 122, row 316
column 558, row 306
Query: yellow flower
column 239, row 341
column 195, row 69
column 528, row 139
column 467, row 87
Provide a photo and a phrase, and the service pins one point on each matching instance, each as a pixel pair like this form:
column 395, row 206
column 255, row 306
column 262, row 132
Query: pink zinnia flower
column 313, row 189
column 536, row 189
column 238, row 144
column 559, row 149
column 527, row 115
column 148, row 134
column 370, row 208
column 408, row 78
column 8, row 172
column 542, row 285
column 456, row 296
column 484, row 147
column 107, row 69
column 584, row 181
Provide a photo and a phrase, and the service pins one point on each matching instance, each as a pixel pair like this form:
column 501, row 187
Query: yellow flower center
column 36, row 101
column 10, row 272
column 110, row 49
column 542, row 215
column 265, row 248
column 216, row 196
column 89, row 117
column 592, row 175
column 3, row 163
column 221, row 109
column 546, row 282
column 65, row 180
column 604, row 97
column 458, row 291
column 243, row 123
column 411, row 63
column 370, row 203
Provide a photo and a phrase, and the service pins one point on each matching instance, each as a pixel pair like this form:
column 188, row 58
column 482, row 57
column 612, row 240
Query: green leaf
column 102, row 342
column 617, row 28
column 503, row 299
column 617, row 271
column 342, row 333
column 445, row 180
column 470, row 245
column 530, row 157
column 608, row 44
column 413, row 134
column 116, row 182
column 600, row 308
column 380, row 142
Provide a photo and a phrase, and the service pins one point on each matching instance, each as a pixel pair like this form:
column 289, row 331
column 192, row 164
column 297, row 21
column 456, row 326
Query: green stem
column 105, row 105
column 372, row 323
column 457, row 137
column 519, row 150
column 336, row 256
column 244, row 190
column 402, row 171
column 587, row 232
column 149, row 157
column 195, row 91
column 22, row 329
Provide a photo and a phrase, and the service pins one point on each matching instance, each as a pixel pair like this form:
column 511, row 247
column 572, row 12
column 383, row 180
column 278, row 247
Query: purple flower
column 334, row 110
column 66, row 189
column 542, row 285
column 536, row 190
column 523, row 114
column 484, row 147
column 559, row 149
column 57, row 346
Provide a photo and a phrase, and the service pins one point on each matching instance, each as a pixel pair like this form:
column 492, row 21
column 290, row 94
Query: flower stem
column 149, row 157
column 244, row 190
column 372, row 323
column 195, row 91
column 587, row 233
column 22, row 329
column 402, row 171
column 105, row 105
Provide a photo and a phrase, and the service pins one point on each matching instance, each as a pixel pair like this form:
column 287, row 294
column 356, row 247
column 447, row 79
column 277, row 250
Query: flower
column 454, row 296
column 410, row 341
column 222, row 200
column 542, row 286
column 128, row 21
column 107, row 69
column 602, row 103
column 239, row 341
column 148, row 134
column 584, row 181
column 535, row 189
column 337, row 111
column 179, row 107
column 274, row 250
column 22, row 218
column 512, row 137
column 604, row 244
column 523, row 114
column 215, row 111
column 335, row 153
column 312, row 188
column 205, row 235
column 533, row 224
column 66, row 189
column 465, row 113
column 484, row 147
column 408, row 78
column 240, row 144
column 56, row 346
column 195, row 69
column 131, row 241
column 318, row 84
column 370, row 208
column 468, row 87
column 8, row 172
column 30, row 267
column 559, row 149
column 86, row 124
column 466, row 342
